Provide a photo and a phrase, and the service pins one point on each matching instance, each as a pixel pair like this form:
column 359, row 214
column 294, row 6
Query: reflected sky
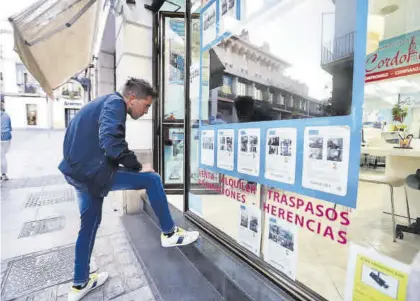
column 295, row 37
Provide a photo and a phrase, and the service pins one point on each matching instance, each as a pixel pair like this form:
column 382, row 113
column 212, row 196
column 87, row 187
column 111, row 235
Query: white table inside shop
column 399, row 163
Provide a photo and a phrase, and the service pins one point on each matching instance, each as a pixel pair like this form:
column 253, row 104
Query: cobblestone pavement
column 39, row 225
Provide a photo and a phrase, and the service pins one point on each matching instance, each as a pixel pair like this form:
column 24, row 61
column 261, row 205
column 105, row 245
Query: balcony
column 340, row 49
column 28, row 88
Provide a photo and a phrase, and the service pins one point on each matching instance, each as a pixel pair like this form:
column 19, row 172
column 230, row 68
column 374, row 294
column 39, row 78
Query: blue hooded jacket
column 94, row 145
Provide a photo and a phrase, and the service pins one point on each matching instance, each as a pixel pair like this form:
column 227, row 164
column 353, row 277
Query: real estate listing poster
column 249, row 234
column 174, row 156
column 195, row 82
column 280, row 156
column 209, row 24
column 249, row 152
column 374, row 277
column 207, row 147
column 280, row 246
column 326, row 159
column 228, row 15
column 195, row 90
column 225, row 149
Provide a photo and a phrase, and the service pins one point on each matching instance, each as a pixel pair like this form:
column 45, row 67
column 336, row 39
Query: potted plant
column 399, row 113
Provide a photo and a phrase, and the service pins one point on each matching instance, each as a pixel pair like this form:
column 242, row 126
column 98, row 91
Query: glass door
column 171, row 113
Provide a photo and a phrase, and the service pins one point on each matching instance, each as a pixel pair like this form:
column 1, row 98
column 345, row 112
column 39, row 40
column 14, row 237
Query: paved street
column 39, row 225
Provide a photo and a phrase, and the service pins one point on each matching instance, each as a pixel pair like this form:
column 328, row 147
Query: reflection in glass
column 280, row 70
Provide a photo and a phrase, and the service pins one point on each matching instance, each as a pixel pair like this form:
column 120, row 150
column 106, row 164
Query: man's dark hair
column 139, row 88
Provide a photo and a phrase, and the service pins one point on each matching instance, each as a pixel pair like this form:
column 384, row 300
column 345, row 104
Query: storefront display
column 297, row 127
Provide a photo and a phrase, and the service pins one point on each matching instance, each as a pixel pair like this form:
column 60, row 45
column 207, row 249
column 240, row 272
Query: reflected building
column 337, row 54
column 253, row 71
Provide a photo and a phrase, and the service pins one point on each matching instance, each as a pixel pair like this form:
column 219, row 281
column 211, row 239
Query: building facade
column 253, row 71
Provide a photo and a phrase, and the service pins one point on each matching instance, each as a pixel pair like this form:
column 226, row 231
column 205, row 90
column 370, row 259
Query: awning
column 55, row 39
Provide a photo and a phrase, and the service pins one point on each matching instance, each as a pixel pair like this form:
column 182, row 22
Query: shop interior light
column 389, row 9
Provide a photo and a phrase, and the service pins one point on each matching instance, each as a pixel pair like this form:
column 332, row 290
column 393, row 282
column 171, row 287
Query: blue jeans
column 90, row 208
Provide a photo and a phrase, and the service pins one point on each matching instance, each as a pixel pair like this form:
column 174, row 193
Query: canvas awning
column 55, row 39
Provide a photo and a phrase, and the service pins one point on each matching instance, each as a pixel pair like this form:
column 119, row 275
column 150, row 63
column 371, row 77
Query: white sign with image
column 249, row 234
column 228, row 17
column 194, row 81
column 195, row 90
column 280, row 156
column 249, row 151
column 280, row 246
column 326, row 155
column 207, row 147
column 225, row 148
column 209, row 24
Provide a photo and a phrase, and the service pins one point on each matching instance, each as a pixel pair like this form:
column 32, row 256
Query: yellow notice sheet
column 374, row 277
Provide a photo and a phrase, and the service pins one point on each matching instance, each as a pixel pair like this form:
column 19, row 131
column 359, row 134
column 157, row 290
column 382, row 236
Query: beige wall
column 133, row 50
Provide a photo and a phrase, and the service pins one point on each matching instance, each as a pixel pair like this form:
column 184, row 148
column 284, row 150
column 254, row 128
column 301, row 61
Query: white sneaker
column 4, row 177
column 179, row 238
column 95, row 280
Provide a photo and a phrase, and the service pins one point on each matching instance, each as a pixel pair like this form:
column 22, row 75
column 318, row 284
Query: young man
column 94, row 148
column 6, row 138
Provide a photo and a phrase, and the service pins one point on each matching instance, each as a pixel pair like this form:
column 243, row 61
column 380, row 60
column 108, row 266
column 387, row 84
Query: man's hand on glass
column 147, row 167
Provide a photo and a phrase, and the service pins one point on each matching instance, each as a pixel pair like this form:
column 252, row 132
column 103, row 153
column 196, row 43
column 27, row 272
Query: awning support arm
column 67, row 25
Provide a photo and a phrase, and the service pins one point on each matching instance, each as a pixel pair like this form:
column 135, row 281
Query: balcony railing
column 338, row 49
column 28, row 88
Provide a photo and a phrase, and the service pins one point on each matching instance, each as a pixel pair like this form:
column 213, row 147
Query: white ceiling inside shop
column 404, row 19
column 385, row 93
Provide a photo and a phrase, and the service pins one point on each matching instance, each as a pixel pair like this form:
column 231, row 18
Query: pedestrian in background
column 94, row 148
column 6, row 138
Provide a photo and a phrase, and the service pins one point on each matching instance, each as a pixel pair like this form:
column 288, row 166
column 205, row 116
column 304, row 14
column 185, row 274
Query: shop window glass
column 282, row 186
